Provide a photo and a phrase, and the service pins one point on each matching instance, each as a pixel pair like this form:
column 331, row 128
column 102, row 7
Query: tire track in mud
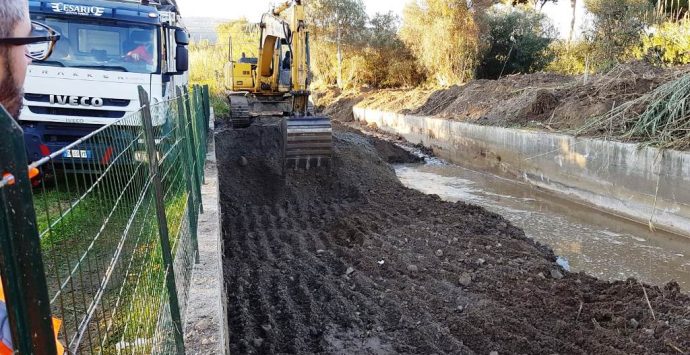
column 352, row 262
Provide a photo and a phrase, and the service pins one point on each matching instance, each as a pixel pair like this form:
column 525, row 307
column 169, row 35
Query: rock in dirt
column 412, row 268
column 349, row 271
column 563, row 262
column 439, row 253
column 243, row 161
column 465, row 279
column 556, row 274
column 633, row 323
column 258, row 342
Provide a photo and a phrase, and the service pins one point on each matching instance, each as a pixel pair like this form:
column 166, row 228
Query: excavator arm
column 307, row 138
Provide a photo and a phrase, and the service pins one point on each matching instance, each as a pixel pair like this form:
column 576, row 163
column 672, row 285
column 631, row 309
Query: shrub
column 443, row 36
column 668, row 43
column 616, row 28
column 517, row 42
column 569, row 59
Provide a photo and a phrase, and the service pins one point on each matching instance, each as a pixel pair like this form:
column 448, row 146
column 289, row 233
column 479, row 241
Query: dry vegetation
column 648, row 103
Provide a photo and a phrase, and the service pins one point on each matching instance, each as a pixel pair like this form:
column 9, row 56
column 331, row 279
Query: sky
column 560, row 13
column 233, row 9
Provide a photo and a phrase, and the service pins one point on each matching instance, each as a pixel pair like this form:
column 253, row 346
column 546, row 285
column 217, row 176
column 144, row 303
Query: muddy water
column 589, row 240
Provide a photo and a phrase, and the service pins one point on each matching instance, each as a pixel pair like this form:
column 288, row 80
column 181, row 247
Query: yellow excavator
column 276, row 85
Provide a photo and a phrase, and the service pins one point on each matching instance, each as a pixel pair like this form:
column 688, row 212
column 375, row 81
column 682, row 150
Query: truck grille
column 76, row 112
column 106, row 102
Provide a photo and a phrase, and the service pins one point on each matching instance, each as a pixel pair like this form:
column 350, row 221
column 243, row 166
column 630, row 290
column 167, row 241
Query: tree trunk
column 573, row 3
column 340, row 62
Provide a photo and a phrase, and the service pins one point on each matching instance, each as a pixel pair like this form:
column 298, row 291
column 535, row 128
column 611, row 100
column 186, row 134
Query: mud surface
column 349, row 261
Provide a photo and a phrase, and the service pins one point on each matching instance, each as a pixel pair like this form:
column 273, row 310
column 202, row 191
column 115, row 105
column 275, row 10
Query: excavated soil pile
column 553, row 101
column 337, row 104
column 347, row 260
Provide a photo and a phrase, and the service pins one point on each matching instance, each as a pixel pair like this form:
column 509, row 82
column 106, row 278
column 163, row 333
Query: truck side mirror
column 181, row 59
column 181, row 37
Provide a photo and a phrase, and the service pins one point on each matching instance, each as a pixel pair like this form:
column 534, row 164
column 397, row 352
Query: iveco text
column 76, row 100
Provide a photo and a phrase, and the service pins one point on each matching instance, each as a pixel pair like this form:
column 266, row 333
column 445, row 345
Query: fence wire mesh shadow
column 117, row 216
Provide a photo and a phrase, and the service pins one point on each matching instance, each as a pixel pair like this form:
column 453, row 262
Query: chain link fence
column 99, row 238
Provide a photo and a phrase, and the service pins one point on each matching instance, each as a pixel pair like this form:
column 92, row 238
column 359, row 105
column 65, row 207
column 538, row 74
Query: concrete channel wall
column 639, row 183
column 206, row 322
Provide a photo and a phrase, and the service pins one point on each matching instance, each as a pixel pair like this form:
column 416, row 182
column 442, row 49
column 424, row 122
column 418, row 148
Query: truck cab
column 107, row 49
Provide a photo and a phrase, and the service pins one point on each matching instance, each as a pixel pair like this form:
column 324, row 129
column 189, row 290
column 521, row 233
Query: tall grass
column 659, row 118
column 207, row 63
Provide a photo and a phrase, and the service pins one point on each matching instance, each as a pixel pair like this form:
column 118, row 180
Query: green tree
column 342, row 22
column 617, row 28
column 443, row 36
column 517, row 42
column 389, row 63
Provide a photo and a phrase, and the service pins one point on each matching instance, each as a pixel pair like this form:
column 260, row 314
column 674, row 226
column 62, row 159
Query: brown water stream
column 586, row 239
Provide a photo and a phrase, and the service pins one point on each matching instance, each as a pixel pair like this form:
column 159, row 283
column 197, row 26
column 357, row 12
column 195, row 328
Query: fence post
column 21, row 263
column 162, row 220
column 192, row 200
column 201, row 129
column 207, row 104
column 195, row 146
column 199, row 132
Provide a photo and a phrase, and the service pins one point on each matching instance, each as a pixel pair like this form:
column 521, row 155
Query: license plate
column 77, row 153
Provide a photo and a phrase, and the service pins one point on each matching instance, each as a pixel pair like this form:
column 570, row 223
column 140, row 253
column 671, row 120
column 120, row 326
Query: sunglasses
column 40, row 42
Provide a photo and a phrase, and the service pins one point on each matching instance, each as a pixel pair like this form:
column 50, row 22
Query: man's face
column 13, row 65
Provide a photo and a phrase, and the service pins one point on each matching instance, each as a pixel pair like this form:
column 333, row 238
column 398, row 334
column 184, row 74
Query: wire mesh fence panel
column 116, row 213
column 24, row 305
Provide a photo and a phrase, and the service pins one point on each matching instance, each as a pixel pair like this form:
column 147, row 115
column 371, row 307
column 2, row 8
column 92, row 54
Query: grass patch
column 220, row 105
column 83, row 229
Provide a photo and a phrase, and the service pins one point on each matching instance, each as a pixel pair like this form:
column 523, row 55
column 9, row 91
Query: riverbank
column 351, row 261
column 540, row 102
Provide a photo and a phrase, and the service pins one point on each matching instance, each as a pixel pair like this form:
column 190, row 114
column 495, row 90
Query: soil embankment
column 347, row 260
column 541, row 100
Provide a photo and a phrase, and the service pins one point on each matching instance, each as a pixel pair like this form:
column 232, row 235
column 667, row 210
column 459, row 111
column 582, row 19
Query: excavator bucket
column 308, row 142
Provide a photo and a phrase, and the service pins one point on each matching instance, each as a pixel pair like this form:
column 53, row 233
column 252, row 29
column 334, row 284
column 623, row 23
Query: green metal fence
column 106, row 233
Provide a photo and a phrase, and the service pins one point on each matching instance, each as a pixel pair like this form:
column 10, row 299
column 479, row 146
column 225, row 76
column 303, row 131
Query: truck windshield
column 103, row 45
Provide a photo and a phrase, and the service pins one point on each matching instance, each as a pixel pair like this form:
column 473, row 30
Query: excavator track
column 308, row 142
column 239, row 111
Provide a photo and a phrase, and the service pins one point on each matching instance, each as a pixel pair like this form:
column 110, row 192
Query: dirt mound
column 385, row 147
column 439, row 101
column 337, row 104
column 347, row 260
column 603, row 92
column 534, row 100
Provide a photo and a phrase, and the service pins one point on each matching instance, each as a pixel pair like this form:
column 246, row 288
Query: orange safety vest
column 5, row 350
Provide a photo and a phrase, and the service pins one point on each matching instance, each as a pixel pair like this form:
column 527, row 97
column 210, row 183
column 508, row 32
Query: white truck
column 107, row 49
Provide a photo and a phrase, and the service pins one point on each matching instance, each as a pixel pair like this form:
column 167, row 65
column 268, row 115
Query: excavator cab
column 239, row 74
